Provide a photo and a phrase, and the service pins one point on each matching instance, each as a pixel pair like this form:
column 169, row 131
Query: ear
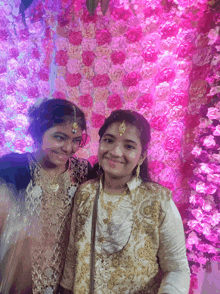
column 142, row 158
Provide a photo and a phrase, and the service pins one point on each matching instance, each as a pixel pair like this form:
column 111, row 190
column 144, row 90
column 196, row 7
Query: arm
column 172, row 253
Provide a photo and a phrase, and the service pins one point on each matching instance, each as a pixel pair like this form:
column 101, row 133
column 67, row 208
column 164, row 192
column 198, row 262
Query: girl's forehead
column 122, row 128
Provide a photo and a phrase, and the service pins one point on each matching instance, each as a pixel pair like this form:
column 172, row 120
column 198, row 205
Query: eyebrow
column 63, row 134
column 128, row 141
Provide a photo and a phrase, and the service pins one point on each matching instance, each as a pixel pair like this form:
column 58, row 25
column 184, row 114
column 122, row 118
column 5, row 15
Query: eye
column 77, row 141
column 129, row 147
column 59, row 138
column 108, row 140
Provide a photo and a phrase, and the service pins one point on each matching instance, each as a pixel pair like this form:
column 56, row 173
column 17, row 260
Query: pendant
column 54, row 187
column 106, row 221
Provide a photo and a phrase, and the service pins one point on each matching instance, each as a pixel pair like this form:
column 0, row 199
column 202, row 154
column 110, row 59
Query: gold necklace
column 53, row 186
column 109, row 207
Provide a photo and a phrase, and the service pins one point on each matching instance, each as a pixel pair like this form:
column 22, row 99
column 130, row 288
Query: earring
column 138, row 171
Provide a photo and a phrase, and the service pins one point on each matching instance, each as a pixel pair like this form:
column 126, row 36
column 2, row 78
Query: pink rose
column 85, row 139
column 100, row 80
column 114, row 101
column 73, row 80
column 35, row 53
column 11, row 89
column 24, row 34
column 13, row 53
column 20, row 145
column 156, row 166
column 185, row 49
column 59, row 95
column 159, row 123
column 213, row 113
column 120, row 13
column 215, row 178
column 10, row 125
column 169, row 30
column 97, row 120
column 3, row 35
column 134, row 34
column 179, row 99
column 168, row 185
column 88, row 57
column 75, row 38
column 145, row 101
column 32, row 92
column 206, row 248
column 103, row 37
column 198, row 214
column 86, row 17
column 86, row 100
column 23, row 71
column 192, row 238
column 166, row 75
column 61, row 58
column 131, row 79
column 2, row 140
column 3, row 69
column 118, row 57
column 149, row 54
column 172, row 144
column 217, row 131
column 209, row 141
column 44, row 74
column 193, row 282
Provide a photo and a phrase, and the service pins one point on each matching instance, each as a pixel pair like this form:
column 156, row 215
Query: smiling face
column 59, row 144
column 119, row 155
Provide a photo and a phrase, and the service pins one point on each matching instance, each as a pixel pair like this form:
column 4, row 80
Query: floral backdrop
column 160, row 58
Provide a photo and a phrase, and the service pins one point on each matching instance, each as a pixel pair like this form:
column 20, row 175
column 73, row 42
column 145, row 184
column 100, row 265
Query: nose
column 116, row 150
column 68, row 147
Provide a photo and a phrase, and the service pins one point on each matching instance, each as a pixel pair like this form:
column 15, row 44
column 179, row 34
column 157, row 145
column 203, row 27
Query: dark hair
column 51, row 112
column 143, row 127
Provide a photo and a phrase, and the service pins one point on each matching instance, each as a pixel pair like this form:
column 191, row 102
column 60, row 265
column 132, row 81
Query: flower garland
column 203, row 219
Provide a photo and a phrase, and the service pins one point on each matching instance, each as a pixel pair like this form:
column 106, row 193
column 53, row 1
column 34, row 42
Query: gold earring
column 74, row 125
column 138, row 171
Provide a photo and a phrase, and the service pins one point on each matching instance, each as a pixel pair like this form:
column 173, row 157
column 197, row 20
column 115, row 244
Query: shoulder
column 81, row 169
column 87, row 191
column 156, row 190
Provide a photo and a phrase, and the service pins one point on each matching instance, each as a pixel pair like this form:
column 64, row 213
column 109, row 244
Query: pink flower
column 97, row 120
column 145, row 101
column 169, row 30
column 118, row 57
column 198, row 214
column 150, row 54
column 120, row 13
column 103, row 37
column 214, row 178
column 88, row 57
column 20, row 145
column 166, row 75
column 75, row 38
column 100, row 80
column 13, row 53
column 32, row 92
column 179, row 99
column 134, row 34
column 23, row 71
column 24, row 34
column 172, row 144
column 168, row 185
column 193, row 282
column 44, row 74
column 35, row 53
column 159, row 123
column 209, row 141
column 114, row 101
column 85, row 139
column 59, row 95
column 3, row 69
column 73, row 80
column 156, row 166
column 61, row 58
column 86, row 100
column 192, row 238
column 185, row 49
column 213, row 113
column 217, row 131
column 201, row 187
column 86, row 18
column 206, row 248
column 131, row 79
column 3, row 35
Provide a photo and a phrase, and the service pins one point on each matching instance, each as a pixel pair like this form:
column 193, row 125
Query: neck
column 49, row 167
column 114, row 185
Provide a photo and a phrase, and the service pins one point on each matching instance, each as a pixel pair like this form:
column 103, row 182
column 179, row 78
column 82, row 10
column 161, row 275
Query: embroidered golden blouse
column 145, row 228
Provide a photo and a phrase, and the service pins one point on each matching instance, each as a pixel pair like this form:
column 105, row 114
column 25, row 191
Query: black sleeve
column 91, row 172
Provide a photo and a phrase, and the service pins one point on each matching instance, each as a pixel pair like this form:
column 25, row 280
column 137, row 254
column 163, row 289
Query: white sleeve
column 172, row 253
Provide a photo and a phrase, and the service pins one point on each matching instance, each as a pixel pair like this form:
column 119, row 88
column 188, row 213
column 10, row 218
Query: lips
column 62, row 156
column 113, row 161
